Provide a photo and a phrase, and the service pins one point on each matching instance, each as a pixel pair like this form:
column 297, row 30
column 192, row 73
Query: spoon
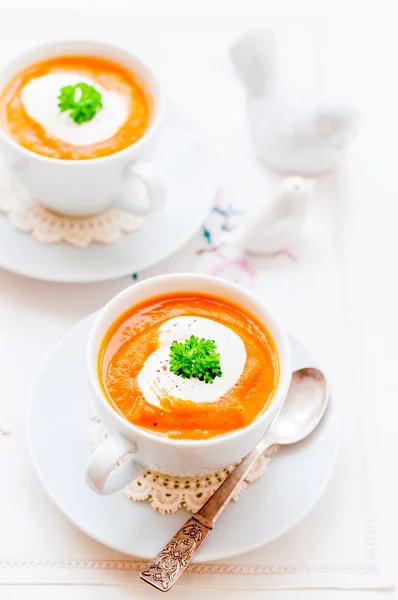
column 302, row 411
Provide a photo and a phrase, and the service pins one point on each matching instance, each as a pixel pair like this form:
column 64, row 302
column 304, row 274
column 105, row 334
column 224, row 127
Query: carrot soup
column 75, row 107
column 188, row 366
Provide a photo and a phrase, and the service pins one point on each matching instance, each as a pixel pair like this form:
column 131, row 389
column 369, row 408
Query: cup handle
column 100, row 474
column 145, row 172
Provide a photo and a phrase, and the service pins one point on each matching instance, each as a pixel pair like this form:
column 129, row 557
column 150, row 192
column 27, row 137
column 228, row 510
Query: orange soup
column 188, row 366
column 39, row 107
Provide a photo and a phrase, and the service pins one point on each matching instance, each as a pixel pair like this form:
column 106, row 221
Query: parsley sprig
column 83, row 101
column 195, row 358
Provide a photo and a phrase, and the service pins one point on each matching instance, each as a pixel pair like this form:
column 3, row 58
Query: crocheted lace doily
column 48, row 227
column 169, row 493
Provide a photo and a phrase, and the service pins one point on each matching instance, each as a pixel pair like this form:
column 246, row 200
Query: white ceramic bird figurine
column 292, row 131
column 274, row 229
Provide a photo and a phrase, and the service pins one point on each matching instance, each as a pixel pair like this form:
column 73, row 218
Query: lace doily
column 169, row 493
column 49, row 227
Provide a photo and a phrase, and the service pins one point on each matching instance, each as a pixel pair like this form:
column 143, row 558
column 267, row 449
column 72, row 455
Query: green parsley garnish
column 83, row 101
column 195, row 358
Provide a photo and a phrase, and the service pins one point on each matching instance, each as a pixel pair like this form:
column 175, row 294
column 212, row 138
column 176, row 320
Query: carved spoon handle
column 164, row 570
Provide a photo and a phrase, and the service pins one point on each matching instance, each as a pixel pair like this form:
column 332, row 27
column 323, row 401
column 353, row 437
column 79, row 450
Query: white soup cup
column 84, row 187
column 159, row 453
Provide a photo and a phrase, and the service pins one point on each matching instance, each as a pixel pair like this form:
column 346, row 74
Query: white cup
column 151, row 451
column 84, row 187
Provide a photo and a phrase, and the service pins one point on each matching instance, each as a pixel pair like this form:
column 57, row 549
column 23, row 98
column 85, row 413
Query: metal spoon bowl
column 303, row 409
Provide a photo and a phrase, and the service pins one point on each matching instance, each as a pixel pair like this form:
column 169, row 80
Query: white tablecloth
column 348, row 244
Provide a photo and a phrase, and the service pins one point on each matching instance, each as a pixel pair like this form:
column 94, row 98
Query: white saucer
column 183, row 159
column 59, row 421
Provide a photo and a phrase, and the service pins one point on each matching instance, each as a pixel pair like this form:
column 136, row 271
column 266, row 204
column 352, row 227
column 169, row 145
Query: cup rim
column 282, row 346
column 149, row 133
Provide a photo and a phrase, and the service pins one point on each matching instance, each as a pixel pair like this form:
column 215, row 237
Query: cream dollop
column 157, row 381
column 40, row 99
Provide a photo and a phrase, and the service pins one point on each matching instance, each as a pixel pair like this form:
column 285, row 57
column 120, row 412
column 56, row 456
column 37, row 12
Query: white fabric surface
column 330, row 298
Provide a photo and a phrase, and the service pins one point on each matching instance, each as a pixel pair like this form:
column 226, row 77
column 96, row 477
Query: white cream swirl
column 40, row 100
column 157, row 381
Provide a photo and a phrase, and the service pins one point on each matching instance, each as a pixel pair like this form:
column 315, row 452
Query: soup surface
column 34, row 107
column 188, row 366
